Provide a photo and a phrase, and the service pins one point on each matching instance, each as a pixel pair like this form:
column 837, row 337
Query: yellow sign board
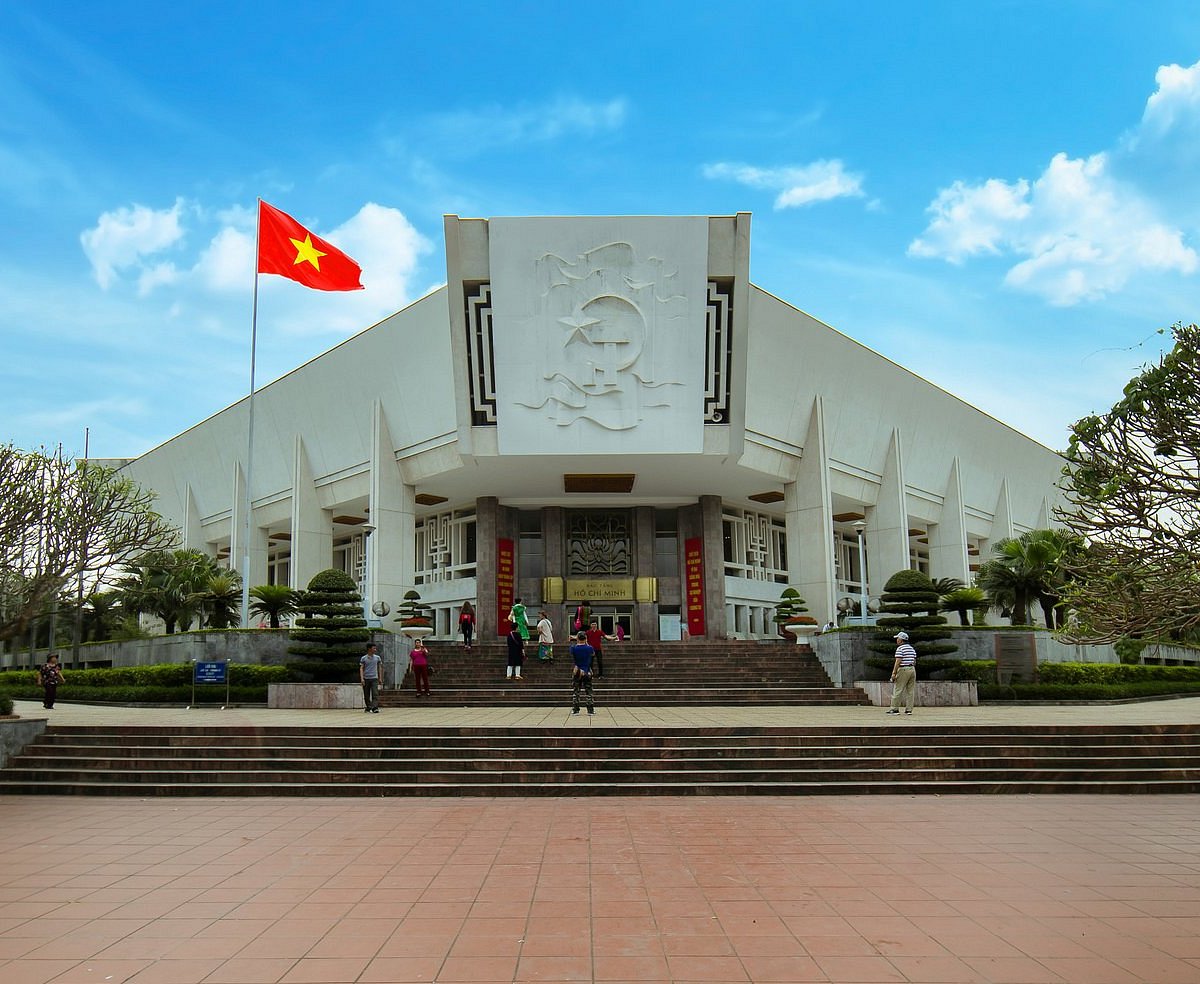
column 599, row 589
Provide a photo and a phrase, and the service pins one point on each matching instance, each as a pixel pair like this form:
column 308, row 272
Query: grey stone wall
column 844, row 654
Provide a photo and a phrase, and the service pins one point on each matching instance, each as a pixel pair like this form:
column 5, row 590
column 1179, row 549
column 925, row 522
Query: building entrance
column 608, row 617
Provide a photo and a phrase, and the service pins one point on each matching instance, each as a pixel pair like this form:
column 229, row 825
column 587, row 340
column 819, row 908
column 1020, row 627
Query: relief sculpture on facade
column 605, row 317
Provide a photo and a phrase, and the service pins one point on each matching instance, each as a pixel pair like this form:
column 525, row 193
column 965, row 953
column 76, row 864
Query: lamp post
column 860, row 527
column 367, row 529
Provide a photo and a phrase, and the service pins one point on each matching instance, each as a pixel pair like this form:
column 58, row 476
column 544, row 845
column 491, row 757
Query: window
column 445, row 548
column 666, row 543
column 531, row 551
column 755, row 545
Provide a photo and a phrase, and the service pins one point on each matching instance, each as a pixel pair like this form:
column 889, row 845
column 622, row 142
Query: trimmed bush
column 6, row 705
column 905, row 596
column 166, row 683
column 332, row 628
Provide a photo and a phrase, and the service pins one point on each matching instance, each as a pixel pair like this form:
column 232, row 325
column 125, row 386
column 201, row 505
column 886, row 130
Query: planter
column 416, row 631
column 803, row 631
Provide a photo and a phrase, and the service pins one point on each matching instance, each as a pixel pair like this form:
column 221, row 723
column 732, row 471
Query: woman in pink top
column 420, row 667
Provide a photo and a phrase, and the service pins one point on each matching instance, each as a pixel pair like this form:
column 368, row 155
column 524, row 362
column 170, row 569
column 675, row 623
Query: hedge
column 167, row 683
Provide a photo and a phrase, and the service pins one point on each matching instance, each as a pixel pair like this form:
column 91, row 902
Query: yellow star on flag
column 306, row 252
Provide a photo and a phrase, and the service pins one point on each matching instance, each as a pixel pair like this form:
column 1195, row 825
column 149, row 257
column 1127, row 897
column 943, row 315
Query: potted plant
column 789, row 615
column 413, row 617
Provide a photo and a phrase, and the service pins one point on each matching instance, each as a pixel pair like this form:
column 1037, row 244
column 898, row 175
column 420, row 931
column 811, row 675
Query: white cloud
column 227, row 262
column 537, row 123
column 121, row 239
column 1083, row 233
column 1175, row 102
column 806, row 184
column 1088, row 227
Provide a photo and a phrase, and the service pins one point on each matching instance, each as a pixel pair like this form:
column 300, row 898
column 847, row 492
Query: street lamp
column 860, row 527
column 367, row 529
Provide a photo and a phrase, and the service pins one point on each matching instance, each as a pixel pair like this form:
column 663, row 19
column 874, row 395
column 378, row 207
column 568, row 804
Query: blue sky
column 1000, row 196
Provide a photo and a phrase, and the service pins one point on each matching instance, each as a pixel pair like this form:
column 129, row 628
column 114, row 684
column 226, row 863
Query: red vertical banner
column 505, row 581
column 693, row 585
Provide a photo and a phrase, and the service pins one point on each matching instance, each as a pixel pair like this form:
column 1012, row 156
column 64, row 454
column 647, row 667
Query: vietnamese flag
column 285, row 247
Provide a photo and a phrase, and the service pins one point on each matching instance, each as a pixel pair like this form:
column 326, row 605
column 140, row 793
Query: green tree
column 910, row 604
column 273, row 602
column 221, row 599
column 63, row 521
column 331, row 628
column 1030, row 569
column 1132, row 484
column 964, row 601
column 170, row 585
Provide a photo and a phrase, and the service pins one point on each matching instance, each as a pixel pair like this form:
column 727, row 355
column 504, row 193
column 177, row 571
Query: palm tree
column 169, row 585
column 275, row 601
column 1028, row 569
column 221, row 599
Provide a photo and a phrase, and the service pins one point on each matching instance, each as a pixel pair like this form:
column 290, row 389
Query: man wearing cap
column 904, row 675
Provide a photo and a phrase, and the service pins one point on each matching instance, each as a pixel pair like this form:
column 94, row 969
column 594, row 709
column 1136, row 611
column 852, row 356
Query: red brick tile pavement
column 1048, row 890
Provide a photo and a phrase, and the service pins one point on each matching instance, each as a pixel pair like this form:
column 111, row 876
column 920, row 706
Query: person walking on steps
column 420, row 667
column 519, row 619
column 516, row 654
column 581, row 673
column 904, row 675
column 466, row 624
column 595, row 639
column 370, row 672
column 49, row 677
column 545, row 631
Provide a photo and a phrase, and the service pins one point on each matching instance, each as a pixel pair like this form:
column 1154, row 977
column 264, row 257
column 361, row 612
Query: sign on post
column 211, row 671
column 1016, row 658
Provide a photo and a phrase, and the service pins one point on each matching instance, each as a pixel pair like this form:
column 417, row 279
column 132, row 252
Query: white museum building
column 603, row 410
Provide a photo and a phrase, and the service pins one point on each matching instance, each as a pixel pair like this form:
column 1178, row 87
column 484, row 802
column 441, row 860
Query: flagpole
column 247, row 501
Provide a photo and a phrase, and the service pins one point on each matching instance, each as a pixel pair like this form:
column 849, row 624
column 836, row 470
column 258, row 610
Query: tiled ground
column 1087, row 889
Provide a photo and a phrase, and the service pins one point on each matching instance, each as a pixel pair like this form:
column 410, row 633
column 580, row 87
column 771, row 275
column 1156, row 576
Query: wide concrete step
column 583, row 760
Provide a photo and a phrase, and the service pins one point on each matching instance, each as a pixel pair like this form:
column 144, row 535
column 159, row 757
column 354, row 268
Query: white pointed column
column 808, row 515
column 887, row 522
column 312, row 526
column 258, row 536
column 391, row 560
column 193, row 533
column 1002, row 524
column 948, row 538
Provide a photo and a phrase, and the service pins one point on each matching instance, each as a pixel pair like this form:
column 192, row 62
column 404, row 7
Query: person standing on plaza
column 545, row 632
column 466, row 624
column 904, row 675
column 516, row 654
column 49, row 677
column 581, row 673
column 370, row 673
column 520, row 619
column 420, row 667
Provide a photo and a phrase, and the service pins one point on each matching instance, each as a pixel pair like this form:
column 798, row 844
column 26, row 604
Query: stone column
column 645, row 614
column 714, row 567
column 487, row 509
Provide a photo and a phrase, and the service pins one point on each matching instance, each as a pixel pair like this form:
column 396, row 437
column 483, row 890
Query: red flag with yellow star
column 285, row 247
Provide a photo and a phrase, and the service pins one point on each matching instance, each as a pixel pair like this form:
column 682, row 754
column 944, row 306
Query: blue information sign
column 210, row 672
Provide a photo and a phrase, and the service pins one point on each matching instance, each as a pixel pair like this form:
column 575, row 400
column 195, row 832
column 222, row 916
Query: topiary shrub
column 910, row 604
column 413, row 613
column 331, row 628
column 6, row 705
column 790, row 609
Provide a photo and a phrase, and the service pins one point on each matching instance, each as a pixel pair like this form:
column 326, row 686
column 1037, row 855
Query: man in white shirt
column 904, row 675
column 545, row 634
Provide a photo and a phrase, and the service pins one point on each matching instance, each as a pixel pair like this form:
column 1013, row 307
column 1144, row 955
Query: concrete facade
column 612, row 408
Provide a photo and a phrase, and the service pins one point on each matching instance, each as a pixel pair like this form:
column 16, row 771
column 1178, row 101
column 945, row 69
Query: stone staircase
column 580, row 759
column 728, row 672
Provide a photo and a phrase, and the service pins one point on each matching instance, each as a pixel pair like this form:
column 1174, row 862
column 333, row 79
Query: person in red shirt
column 595, row 639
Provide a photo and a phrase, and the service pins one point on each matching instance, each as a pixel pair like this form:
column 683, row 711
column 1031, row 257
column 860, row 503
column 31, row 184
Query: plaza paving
column 1087, row 889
